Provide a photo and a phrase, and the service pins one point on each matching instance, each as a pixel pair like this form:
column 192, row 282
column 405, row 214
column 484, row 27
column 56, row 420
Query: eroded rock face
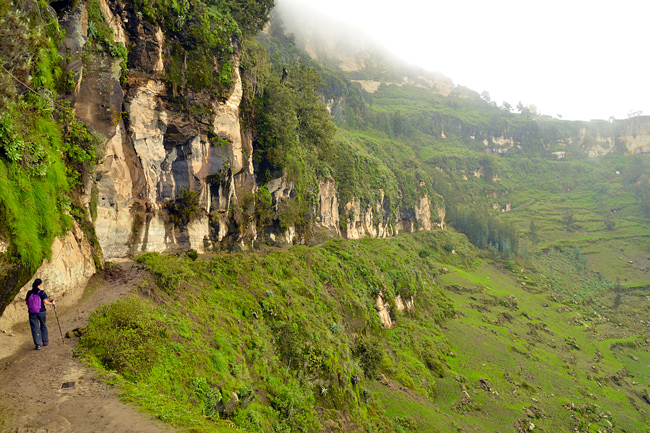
column 384, row 308
column 280, row 189
column 99, row 98
column 635, row 136
column 372, row 221
column 328, row 204
column 64, row 276
column 75, row 38
column 423, row 214
column 157, row 150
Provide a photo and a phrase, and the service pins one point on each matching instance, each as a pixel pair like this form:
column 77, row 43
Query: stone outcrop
column 385, row 312
column 328, row 204
column 369, row 221
column 156, row 151
column 624, row 137
column 379, row 221
column 594, row 138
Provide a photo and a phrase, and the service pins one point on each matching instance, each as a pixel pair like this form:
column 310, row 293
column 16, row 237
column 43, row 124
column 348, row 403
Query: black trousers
column 39, row 329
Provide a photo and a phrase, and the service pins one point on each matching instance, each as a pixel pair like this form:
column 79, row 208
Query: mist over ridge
column 343, row 46
column 577, row 62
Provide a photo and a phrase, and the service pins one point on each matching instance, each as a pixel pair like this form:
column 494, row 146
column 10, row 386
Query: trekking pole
column 57, row 321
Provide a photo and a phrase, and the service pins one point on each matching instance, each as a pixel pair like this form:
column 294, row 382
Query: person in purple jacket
column 36, row 301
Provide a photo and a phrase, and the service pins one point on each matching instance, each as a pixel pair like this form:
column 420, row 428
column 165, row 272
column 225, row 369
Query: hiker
column 36, row 301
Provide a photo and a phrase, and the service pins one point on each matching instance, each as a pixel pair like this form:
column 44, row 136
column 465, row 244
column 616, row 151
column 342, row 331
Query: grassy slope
column 603, row 315
column 286, row 331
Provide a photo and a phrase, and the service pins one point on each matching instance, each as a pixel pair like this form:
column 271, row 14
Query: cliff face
column 594, row 138
column 176, row 167
column 157, row 150
column 622, row 137
column 64, row 275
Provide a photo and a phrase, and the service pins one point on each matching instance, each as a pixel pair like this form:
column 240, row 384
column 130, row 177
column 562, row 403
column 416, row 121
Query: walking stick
column 57, row 321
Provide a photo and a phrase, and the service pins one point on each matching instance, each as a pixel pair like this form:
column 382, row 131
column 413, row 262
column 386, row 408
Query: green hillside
column 292, row 341
column 529, row 313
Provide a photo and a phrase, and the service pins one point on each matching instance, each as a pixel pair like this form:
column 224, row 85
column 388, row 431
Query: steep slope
column 405, row 100
column 410, row 334
column 183, row 135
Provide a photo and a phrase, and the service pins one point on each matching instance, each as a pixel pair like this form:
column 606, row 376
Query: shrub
column 168, row 270
column 124, row 337
column 185, row 208
column 370, row 354
column 209, row 395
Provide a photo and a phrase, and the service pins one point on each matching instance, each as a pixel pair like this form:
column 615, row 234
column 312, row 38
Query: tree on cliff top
column 251, row 15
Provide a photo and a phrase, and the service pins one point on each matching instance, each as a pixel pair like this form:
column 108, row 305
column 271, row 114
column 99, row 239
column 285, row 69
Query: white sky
column 581, row 59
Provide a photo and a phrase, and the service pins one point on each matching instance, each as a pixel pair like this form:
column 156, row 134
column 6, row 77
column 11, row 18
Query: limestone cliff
column 157, row 150
column 176, row 166
column 594, row 138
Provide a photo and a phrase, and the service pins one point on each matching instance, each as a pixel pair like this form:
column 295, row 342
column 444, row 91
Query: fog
column 577, row 59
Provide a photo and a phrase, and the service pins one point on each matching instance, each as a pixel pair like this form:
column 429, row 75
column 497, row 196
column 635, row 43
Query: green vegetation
column 292, row 341
column 367, row 166
column 33, row 180
column 101, row 37
column 126, row 337
column 184, row 209
column 45, row 152
column 282, row 341
column 535, row 313
column 202, row 32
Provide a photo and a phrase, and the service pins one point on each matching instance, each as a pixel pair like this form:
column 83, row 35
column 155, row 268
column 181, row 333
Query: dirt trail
column 33, row 397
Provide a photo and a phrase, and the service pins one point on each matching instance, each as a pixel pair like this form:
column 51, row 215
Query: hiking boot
column 38, row 347
column 45, row 344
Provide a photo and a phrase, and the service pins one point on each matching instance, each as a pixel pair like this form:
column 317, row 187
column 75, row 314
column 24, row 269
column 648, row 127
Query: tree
column 527, row 110
column 532, row 232
column 520, row 107
column 251, row 15
column 485, row 95
column 506, row 106
column 276, row 126
column 610, row 224
column 567, row 220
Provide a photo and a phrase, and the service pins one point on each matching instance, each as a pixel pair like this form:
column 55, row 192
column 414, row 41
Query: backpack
column 34, row 302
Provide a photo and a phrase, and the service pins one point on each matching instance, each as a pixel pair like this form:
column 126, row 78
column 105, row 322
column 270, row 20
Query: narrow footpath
column 49, row 390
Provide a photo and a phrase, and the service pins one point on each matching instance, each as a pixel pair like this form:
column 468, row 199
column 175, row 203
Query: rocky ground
column 52, row 391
